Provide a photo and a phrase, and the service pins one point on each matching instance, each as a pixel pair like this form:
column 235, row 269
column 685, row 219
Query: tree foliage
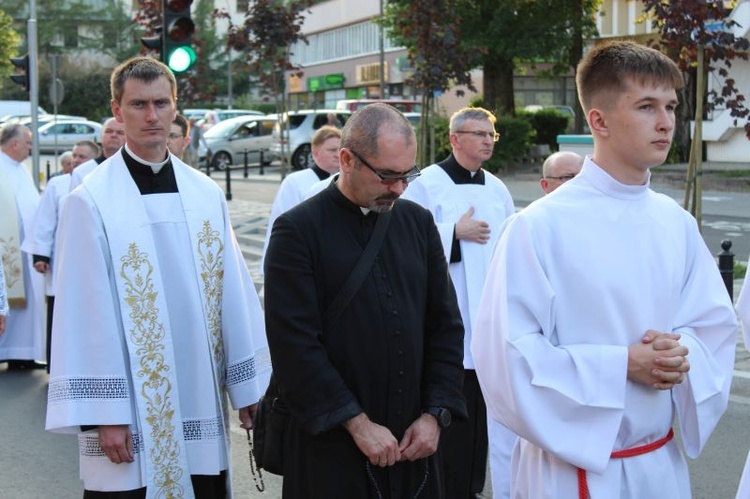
column 512, row 31
column 271, row 27
column 682, row 26
column 435, row 51
column 8, row 47
column 104, row 29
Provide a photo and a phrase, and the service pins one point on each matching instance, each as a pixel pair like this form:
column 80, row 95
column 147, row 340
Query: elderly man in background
column 558, row 168
column 23, row 341
column 113, row 138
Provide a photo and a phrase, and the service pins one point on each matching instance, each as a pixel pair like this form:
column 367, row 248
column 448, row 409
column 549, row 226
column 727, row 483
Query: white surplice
column 577, row 277
column 493, row 203
column 24, row 337
column 292, row 191
column 41, row 240
column 3, row 292
column 156, row 318
column 80, row 172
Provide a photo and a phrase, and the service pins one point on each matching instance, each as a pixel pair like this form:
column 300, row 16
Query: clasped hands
column 382, row 449
column 658, row 360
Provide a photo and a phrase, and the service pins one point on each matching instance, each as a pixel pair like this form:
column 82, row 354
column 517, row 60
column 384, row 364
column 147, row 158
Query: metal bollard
column 245, row 163
column 229, row 183
column 208, row 167
column 261, row 162
column 48, row 171
column 726, row 266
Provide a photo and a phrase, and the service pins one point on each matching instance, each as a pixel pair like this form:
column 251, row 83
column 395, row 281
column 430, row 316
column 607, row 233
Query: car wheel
column 302, row 157
column 221, row 160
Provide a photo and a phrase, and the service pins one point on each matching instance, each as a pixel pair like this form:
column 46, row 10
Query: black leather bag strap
column 360, row 271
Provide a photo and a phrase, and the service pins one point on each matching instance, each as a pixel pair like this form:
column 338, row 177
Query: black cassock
column 395, row 350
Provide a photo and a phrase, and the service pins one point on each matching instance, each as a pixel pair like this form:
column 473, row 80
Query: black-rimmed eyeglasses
column 481, row 134
column 386, row 178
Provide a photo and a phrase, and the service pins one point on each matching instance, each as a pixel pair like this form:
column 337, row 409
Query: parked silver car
column 66, row 133
column 229, row 139
column 302, row 126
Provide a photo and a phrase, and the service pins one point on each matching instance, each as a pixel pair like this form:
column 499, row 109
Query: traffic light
column 178, row 28
column 155, row 43
column 21, row 63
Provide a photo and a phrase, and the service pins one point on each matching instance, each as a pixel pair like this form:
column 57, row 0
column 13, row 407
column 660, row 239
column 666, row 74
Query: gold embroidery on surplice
column 12, row 264
column 211, row 250
column 148, row 335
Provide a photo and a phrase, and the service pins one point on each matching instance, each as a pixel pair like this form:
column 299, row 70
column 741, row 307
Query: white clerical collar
column 155, row 167
column 607, row 183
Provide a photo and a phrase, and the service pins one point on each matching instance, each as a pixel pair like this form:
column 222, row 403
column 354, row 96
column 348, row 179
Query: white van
column 16, row 109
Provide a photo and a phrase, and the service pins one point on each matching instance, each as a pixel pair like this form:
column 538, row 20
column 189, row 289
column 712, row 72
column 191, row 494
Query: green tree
column 435, row 51
column 63, row 27
column 8, row 47
column 271, row 27
column 698, row 36
column 511, row 31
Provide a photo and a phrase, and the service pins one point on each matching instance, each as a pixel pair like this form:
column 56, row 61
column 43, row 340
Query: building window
column 340, row 43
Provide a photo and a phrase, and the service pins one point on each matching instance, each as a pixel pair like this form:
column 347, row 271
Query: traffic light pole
column 34, row 90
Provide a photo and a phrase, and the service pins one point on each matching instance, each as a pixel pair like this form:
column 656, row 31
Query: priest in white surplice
column 23, row 342
column 469, row 205
column 156, row 317
column 295, row 188
column 40, row 242
column 604, row 315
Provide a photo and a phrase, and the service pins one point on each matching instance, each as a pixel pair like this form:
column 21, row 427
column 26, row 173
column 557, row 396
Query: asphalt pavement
column 36, row 464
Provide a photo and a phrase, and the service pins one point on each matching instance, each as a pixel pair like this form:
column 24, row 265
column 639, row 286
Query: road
column 38, row 465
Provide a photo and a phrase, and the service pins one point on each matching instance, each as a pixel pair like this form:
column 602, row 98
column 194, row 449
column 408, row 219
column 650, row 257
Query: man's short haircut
column 11, row 131
column 324, row 133
column 182, row 122
column 461, row 116
column 144, row 69
column 607, row 68
column 361, row 130
column 91, row 145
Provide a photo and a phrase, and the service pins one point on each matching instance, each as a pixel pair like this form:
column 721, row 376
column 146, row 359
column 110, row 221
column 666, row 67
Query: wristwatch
column 442, row 415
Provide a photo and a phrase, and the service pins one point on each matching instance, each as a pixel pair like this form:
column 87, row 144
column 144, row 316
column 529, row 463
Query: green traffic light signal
column 178, row 29
column 181, row 59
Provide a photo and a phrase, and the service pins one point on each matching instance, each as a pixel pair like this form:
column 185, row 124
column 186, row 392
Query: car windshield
column 221, row 130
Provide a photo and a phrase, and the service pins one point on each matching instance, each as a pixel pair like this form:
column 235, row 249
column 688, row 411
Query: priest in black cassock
column 370, row 390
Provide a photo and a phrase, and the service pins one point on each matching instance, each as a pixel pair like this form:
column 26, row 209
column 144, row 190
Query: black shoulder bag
column 272, row 415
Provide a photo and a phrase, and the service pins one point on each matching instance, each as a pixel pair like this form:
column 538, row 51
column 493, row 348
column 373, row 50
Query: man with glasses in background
column 558, row 168
column 178, row 139
column 371, row 383
column 469, row 205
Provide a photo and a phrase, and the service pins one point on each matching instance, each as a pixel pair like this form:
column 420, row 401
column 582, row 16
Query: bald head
column 558, row 168
column 113, row 137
